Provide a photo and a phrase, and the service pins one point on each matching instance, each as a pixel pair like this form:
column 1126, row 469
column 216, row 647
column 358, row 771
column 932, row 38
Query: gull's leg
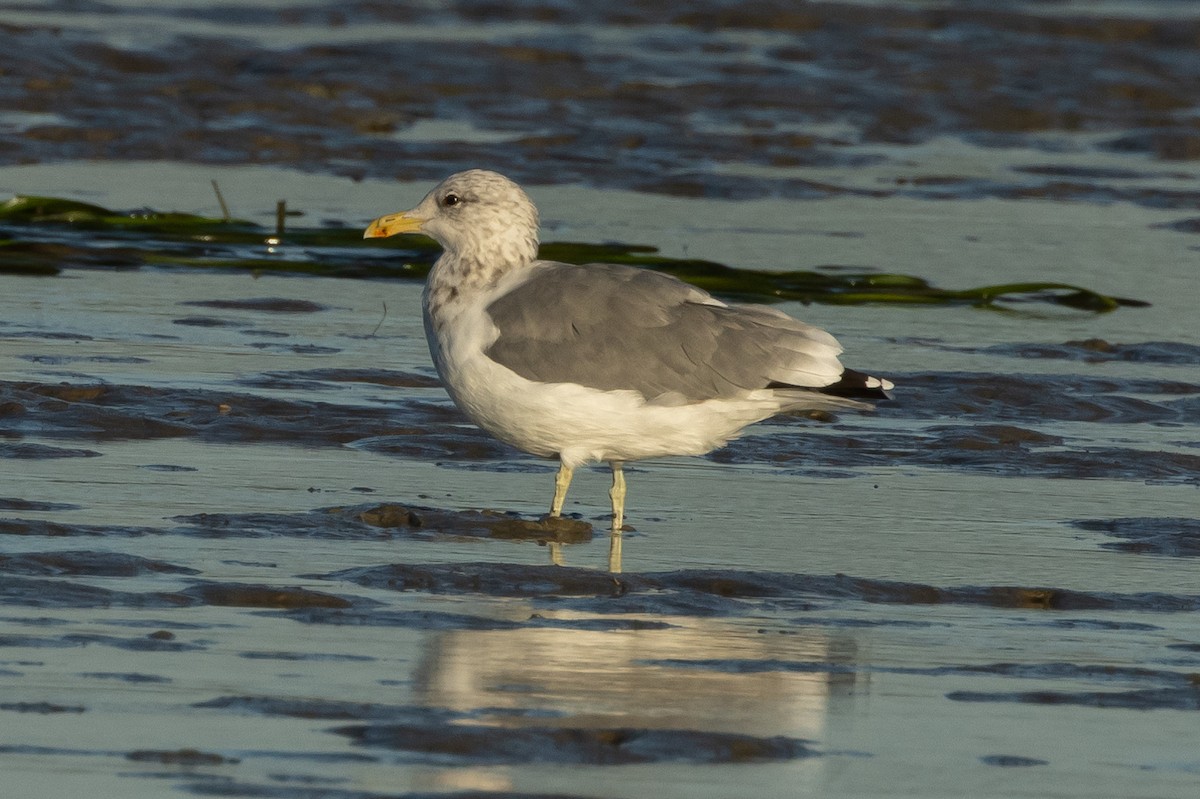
column 562, row 481
column 617, row 494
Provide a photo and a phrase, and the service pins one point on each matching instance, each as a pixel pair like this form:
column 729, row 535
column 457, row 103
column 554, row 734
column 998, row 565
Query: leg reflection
column 617, row 495
column 614, row 551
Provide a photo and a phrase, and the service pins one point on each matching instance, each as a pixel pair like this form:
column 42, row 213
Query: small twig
column 381, row 321
column 280, row 215
column 221, row 200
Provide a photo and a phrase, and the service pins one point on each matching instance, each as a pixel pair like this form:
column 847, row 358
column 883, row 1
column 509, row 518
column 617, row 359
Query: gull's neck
column 474, row 272
column 478, row 257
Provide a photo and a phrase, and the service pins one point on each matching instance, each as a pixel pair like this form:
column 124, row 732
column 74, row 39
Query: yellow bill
column 390, row 225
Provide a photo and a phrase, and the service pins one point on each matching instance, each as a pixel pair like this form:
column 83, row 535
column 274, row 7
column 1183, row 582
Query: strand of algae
column 154, row 238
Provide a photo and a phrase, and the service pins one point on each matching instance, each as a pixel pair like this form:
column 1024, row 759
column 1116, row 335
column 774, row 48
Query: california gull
column 601, row 362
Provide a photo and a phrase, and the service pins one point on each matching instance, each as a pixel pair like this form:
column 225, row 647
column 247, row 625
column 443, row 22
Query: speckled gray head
column 477, row 216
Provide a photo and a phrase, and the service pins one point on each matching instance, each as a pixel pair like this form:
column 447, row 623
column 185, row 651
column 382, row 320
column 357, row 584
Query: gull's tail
column 859, row 385
column 853, row 390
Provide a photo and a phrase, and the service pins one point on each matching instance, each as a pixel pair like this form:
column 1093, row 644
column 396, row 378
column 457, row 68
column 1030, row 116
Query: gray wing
column 615, row 327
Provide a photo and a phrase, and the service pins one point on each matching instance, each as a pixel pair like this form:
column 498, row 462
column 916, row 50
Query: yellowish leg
column 617, row 494
column 562, row 481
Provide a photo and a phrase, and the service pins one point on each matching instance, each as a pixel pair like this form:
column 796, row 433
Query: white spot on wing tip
column 881, row 383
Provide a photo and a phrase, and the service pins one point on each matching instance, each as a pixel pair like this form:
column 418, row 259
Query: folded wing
column 614, row 327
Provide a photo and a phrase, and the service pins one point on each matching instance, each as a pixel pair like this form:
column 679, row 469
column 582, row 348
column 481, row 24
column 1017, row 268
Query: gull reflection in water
column 676, row 674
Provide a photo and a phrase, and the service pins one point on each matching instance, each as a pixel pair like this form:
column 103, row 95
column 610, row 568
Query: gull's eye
column 450, row 200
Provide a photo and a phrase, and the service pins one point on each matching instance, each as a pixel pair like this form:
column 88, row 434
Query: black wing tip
column 859, row 385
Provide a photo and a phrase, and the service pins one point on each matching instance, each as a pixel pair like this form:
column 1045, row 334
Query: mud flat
column 249, row 548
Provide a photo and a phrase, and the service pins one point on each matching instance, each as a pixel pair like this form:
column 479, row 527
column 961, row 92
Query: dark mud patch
column 388, row 521
column 1189, row 225
column 1152, row 688
column 479, row 744
column 408, row 619
column 13, row 503
column 180, row 757
column 852, row 624
column 141, row 644
column 998, row 450
column 41, row 593
column 1185, row 647
column 1037, row 399
column 41, row 527
column 125, row 676
column 493, row 579
column 317, row 379
column 206, row 321
column 63, row 360
column 1023, row 671
column 1097, row 172
column 62, row 593
column 89, row 563
column 325, row 709
column 39, row 452
column 48, row 335
column 297, row 349
column 100, row 412
column 305, row 789
column 1093, row 191
column 442, row 620
column 1004, row 436
column 726, row 592
column 367, row 522
column 1095, row 350
column 733, row 584
column 1180, row 698
column 1012, row 761
column 240, row 595
column 261, row 304
column 442, row 735
column 462, row 444
column 306, row 656
column 1173, row 537
column 1097, row 624
column 257, row 525
column 259, row 333
column 41, row 708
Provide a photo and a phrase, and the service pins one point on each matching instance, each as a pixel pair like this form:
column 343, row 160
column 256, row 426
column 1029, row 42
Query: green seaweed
column 43, row 235
column 54, row 210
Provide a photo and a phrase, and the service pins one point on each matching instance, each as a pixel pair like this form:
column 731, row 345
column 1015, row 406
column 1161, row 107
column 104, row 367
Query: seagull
column 601, row 362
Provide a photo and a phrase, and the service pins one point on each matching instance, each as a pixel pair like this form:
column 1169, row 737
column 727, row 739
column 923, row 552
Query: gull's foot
column 547, row 528
column 564, row 528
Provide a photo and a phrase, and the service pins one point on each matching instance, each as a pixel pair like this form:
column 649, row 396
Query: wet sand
column 248, row 548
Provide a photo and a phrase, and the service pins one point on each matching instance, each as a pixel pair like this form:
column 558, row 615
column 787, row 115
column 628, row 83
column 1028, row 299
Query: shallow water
column 249, row 549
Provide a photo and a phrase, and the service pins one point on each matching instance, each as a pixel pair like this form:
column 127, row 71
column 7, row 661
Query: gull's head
column 477, row 216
